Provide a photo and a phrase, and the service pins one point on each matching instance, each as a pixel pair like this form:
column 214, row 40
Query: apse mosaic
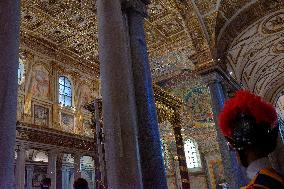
column 171, row 64
column 195, row 95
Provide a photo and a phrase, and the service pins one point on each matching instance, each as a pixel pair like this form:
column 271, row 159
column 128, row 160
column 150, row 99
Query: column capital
column 53, row 152
column 212, row 77
column 20, row 147
column 64, row 168
column 136, row 5
column 30, row 167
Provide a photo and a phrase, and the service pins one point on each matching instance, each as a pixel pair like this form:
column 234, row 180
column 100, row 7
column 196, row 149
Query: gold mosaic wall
column 38, row 92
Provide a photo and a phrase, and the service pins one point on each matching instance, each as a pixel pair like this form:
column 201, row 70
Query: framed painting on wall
column 41, row 115
column 67, row 122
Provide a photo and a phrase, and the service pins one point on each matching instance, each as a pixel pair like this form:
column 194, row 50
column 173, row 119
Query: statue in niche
column 40, row 82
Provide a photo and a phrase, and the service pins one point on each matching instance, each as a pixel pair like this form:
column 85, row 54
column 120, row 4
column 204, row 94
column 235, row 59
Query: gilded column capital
column 136, row 5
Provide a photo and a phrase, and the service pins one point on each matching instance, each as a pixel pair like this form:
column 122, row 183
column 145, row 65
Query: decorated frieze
column 49, row 136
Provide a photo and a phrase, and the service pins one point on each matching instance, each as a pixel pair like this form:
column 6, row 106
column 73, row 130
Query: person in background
column 250, row 126
column 45, row 183
column 80, row 183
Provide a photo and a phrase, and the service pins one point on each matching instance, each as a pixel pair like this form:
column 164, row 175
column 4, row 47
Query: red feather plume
column 246, row 103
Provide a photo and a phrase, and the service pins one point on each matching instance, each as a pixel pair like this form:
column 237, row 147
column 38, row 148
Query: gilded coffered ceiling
column 70, row 26
column 182, row 35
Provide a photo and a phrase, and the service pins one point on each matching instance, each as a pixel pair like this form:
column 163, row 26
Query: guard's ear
column 230, row 144
column 230, row 140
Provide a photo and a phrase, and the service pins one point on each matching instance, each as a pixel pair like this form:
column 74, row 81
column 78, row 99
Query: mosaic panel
column 41, row 115
column 188, row 86
column 87, row 125
column 67, row 122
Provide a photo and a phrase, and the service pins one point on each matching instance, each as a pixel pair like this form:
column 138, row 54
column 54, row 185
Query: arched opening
column 192, row 155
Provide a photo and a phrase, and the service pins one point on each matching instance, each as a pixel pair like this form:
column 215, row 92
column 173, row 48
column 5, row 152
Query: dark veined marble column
column 119, row 108
column 176, row 124
column 233, row 173
column 152, row 163
column 99, row 159
column 9, row 62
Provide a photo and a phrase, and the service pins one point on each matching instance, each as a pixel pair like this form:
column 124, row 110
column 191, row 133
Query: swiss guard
column 250, row 126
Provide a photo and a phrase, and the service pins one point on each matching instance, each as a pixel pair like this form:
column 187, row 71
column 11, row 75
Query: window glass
column 65, row 91
column 21, row 72
column 192, row 154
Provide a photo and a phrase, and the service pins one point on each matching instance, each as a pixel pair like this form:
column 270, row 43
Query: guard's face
column 241, row 154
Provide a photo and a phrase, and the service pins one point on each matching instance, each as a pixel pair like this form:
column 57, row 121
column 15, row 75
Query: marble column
column 20, row 167
column 65, row 178
column 152, row 163
column 9, row 62
column 59, row 172
column 51, row 169
column 94, row 180
column 233, row 173
column 119, row 108
column 77, row 166
column 30, row 174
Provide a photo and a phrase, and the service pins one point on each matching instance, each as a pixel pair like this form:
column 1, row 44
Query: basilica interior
column 76, row 109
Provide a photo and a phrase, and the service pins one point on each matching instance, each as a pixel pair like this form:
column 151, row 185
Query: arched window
column 21, row 72
column 65, row 91
column 192, row 155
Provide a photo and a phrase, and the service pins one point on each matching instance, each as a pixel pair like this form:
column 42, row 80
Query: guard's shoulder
column 269, row 179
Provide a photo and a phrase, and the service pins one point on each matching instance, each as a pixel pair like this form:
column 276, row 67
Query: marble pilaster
column 51, row 169
column 30, row 174
column 233, row 173
column 20, row 167
column 9, row 62
column 152, row 163
column 119, row 108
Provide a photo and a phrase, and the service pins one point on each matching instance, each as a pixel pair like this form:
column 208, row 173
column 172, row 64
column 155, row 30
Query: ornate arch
column 256, row 56
column 235, row 17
